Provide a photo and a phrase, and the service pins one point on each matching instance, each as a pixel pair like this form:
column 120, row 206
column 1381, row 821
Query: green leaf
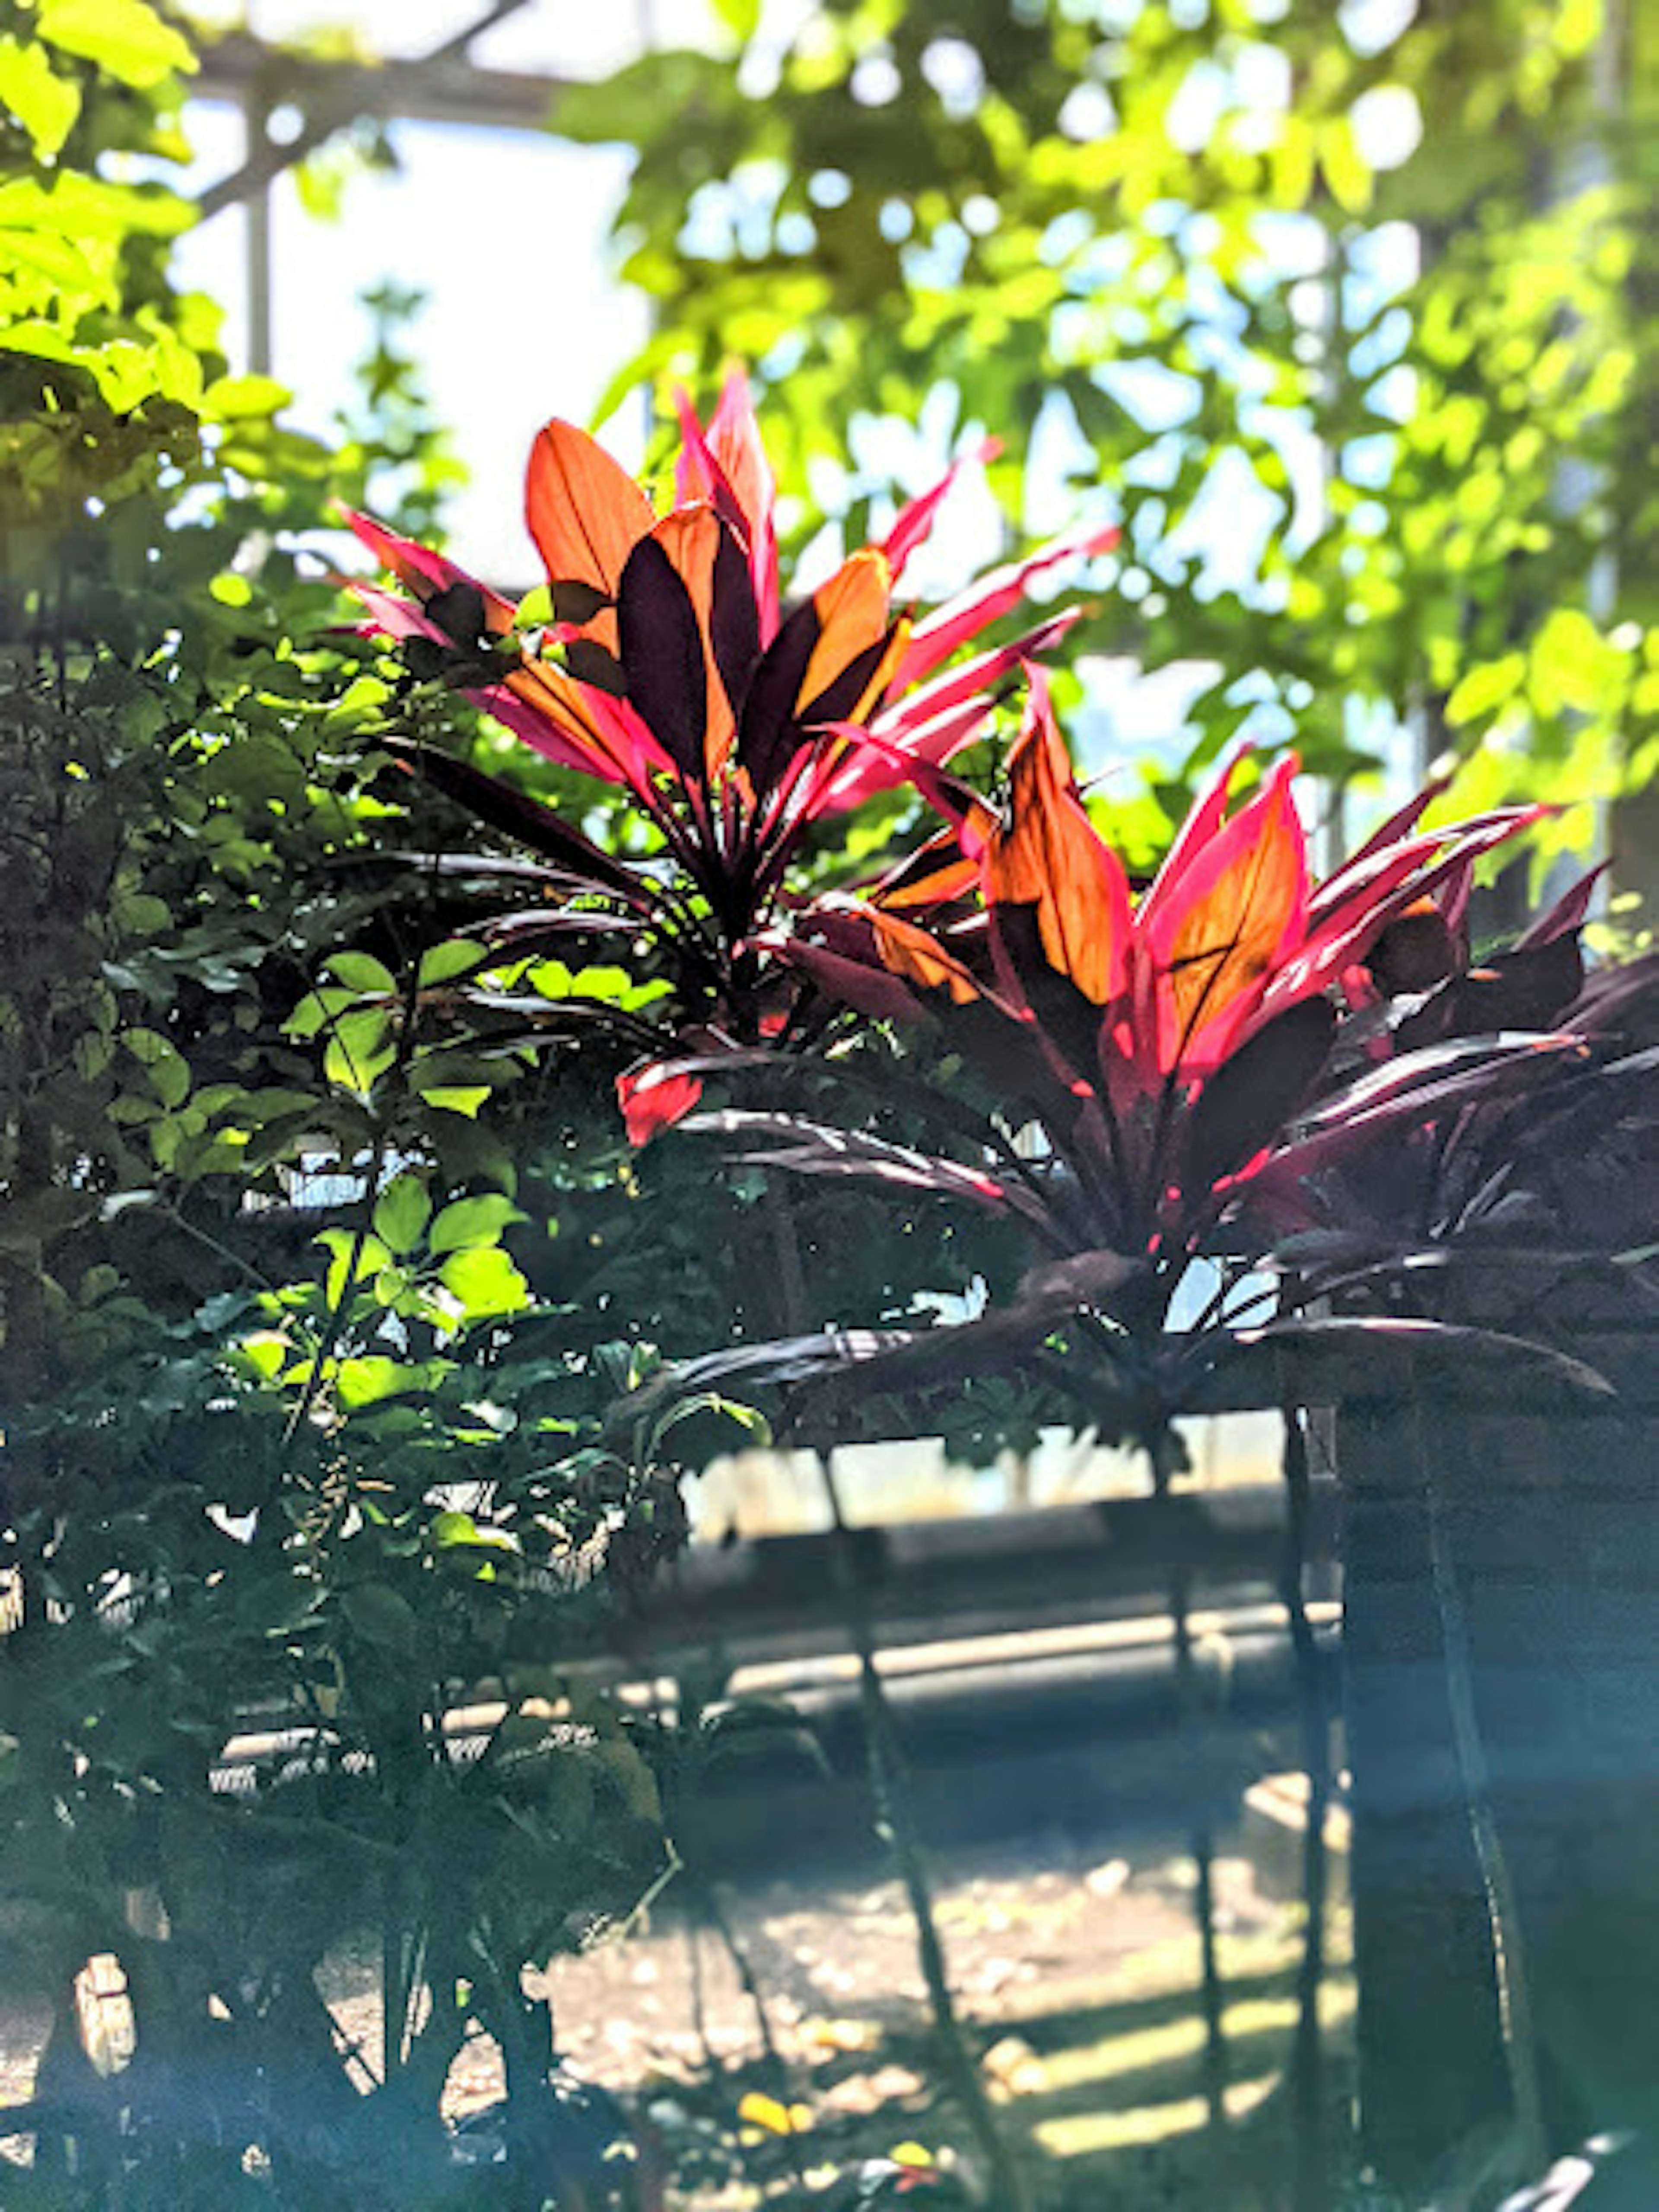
column 485, row 1282
column 126, row 38
column 1347, row 173
column 371, row 1376
column 633, row 1778
column 317, row 1009
column 382, row 1615
column 441, row 962
column 359, row 1049
column 166, row 1067
column 401, row 1212
column 458, row 1099
column 362, row 971
column 372, row 1257
column 46, row 105
column 1485, row 688
column 706, row 1421
column 237, row 399
column 1573, row 665
column 265, row 1352
column 468, row 1221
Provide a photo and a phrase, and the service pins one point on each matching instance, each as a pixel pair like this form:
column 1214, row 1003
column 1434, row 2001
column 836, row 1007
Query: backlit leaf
column 45, row 104
column 472, row 1221
column 127, row 38
column 401, row 1212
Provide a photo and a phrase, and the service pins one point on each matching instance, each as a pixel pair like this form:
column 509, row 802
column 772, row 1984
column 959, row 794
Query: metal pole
column 255, row 119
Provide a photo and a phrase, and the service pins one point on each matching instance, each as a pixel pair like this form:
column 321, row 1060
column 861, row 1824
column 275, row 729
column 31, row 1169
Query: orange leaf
column 583, row 717
column 586, row 513
column 912, row 954
column 1047, row 856
column 851, row 612
column 1222, row 928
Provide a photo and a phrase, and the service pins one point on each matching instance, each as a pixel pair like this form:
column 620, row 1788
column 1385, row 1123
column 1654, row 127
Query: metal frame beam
column 443, row 86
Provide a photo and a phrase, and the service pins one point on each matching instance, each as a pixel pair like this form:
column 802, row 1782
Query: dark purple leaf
column 1361, row 1356
column 1069, row 1020
column 1424, row 1084
column 662, row 656
column 458, row 612
column 734, row 620
column 520, row 817
column 577, row 602
column 1414, row 952
column 769, row 735
column 808, row 1147
column 870, row 991
column 1518, row 990
column 1621, row 1002
column 522, row 931
column 590, row 663
column 1567, row 914
column 1247, row 1101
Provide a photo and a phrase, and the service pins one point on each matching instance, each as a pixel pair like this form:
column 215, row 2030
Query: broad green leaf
column 367, row 1259
column 317, row 1009
column 371, row 1376
column 570, row 1790
column 163, row 1063
column 442, row 962
column 458, row 1099
column 485, row 1282
column 127, row 38
column 401, row 1212
column 1486, row 688
column 467, row 1221
column 265, row 1352
column 236, row 399
column 362, row 971
column 359, row 1049
column 256, row 1108
column 45, row 104
column 1573, row 665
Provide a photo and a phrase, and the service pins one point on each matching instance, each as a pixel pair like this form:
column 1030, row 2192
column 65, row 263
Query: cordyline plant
column 1172, row 1072
column 674, row 669
column 1563, row 1168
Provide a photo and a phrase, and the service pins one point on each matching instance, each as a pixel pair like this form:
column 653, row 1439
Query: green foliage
column 1365, row 472
column 294, row 1443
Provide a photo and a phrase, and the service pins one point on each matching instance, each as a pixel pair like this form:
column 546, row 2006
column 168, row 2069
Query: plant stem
column 707, row 1901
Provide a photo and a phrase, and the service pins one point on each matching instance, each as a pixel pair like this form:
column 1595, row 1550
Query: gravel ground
column 1077, row 1963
